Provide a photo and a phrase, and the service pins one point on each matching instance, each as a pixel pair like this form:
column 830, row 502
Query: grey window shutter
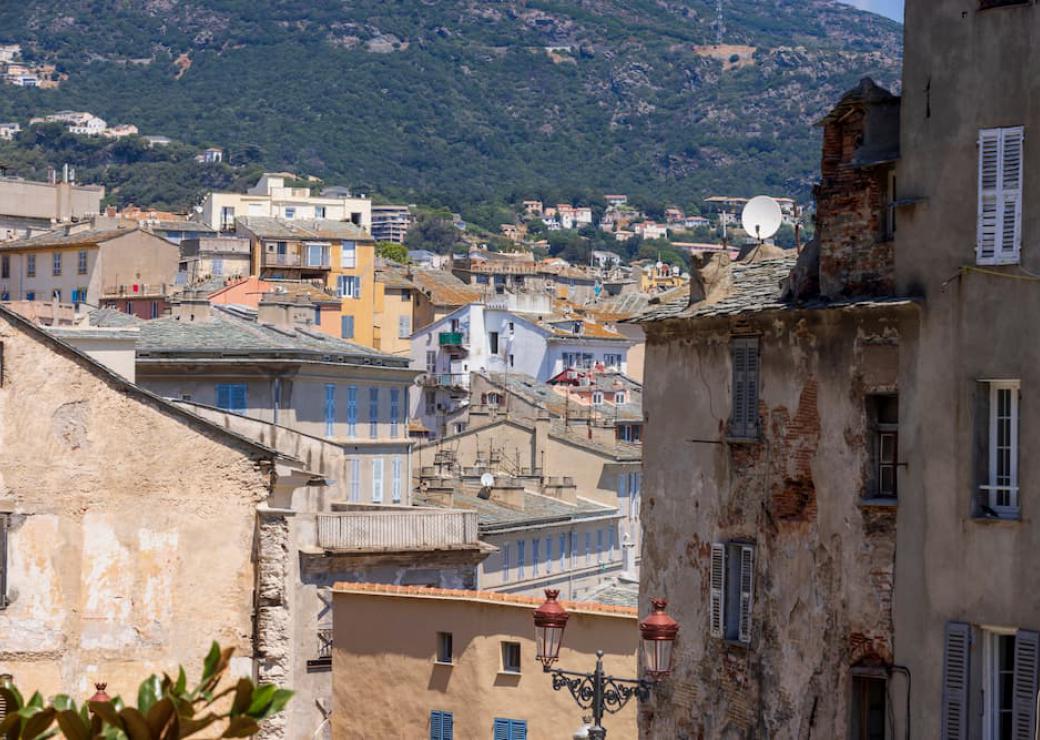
column 747, row 570
column 717, row 589
column 751, row 390
column 956, row 675
column 738, row 422
column 1023, row 708
column 980, row 447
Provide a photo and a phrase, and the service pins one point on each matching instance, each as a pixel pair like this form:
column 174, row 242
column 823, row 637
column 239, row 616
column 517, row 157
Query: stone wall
column 822, row 585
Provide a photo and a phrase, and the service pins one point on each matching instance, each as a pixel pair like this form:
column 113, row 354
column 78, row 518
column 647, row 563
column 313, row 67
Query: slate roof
column 233, row 331
column 180, row 226
column 615, row 592
column 619, row 451
column 538, row 509
column 756, row 287
column 106, row 318
column 444, row 289
column 394, row 276
column 58, row 238
column 543, row 394
column 267, row 227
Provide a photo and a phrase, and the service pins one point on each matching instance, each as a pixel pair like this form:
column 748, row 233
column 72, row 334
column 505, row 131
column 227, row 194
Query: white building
column 79, row 122
column 271, row 197
column 10, row 52
column 480, row 338
column 9, row 130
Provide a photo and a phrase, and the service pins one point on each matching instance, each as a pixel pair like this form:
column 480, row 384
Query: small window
column 730, row 591
column 81, row 263
column 445, row 653
column 883, row 419
column 493, row 342
column 619, row 398
column 442, row 725
column 56, row 264
column 510, row 729
column 5, row 266
column 597, row 398
column 30, row 265
column 290, row 213
column 319, row 211
column 232, row 397
column 512, row 361
column 997, row 449
column 155, row 304
column 510, row 657
column 868, row 706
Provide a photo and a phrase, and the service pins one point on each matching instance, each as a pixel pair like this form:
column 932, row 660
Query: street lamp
column 597, row 691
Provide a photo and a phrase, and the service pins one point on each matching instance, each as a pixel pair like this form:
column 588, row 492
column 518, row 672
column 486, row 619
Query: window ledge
column 737, row 644
column 997, row 520
column 444, row 663
column 743, row 440
column 879, row 502
column 510, row 673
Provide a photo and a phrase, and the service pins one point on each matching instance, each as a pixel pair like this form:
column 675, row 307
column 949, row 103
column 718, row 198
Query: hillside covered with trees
column 455, row 103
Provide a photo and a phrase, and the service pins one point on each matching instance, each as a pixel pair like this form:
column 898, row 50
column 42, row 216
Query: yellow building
column 337, row 255
column 408, row 662
column 394, row 309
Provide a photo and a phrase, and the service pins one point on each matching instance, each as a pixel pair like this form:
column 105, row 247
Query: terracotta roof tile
column 487, row 596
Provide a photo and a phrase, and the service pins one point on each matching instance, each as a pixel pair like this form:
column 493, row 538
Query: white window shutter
column 747, row 571
column 956, row 675
column 1027, row 659
column 1011, row 195
column 989, row 195
column 717, row 590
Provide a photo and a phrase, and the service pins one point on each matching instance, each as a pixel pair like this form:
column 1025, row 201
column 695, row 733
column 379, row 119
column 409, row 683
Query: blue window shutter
column 502, row 731
column 447, row 725
column 330, row 409
column 518, row 729
column 440, row 725
column 238, row 398
column 347, row 327
column 223, row 397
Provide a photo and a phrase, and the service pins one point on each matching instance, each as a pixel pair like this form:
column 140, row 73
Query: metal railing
column 396, row 530
column 136, row 290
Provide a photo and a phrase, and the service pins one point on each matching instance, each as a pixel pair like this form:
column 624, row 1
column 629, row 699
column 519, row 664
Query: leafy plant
column 166, row 709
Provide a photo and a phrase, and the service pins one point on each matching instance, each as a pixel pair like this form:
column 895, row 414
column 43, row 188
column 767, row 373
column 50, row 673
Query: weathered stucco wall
column 390, row 640
column 120, row 564
column 823, row 563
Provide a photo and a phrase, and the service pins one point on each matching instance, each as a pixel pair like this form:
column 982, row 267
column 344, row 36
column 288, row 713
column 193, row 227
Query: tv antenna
column 761, row 217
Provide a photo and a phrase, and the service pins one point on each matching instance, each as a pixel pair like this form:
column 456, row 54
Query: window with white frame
column 319, row 211
column 612, row 360
column 317, row 255
column 619, row 398
column 348, row 286
column 1000, row 196
column 396, row 480
column 597, row 398
column 731, row 580
column 431, row 361
column 510, row 657
column 883, row 421
column 997, row 449
column 355, row 479
column 348, row 254
column 377, row 480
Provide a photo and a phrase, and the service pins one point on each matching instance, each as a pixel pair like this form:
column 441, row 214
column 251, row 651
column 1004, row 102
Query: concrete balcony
column 397, row 530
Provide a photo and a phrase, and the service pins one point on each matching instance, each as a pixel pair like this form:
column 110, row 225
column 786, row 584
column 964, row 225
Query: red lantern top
column 100, row 696
column 659, row 626
column 551, row 614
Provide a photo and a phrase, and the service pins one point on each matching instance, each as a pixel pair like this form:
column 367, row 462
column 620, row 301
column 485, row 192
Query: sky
column 891, row 8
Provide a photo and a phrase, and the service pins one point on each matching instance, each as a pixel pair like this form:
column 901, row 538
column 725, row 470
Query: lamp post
column 598, row 691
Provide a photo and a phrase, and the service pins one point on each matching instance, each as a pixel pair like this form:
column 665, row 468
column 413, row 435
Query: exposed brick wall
column 850, row 209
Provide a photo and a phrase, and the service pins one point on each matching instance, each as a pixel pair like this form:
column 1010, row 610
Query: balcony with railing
column 404, row 529
column 274, row 259
column 137, row 290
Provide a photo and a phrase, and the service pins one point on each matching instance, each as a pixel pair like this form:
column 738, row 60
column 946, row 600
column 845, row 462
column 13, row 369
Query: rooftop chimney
column 190, row 306
column 286, row 311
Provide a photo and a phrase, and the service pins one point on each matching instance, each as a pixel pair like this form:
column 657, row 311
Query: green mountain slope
column 456, row 102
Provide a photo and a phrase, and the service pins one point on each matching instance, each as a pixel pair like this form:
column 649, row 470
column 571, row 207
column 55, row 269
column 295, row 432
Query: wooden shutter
column 447, row 725
column 223, row 397
column 501, row 729
column 346, row 327
column 518, row 729
column 1027, row 658
column 744, row 413
column 377, row 480
column 737, row 422
column 1011, row 195
column 395, row 488
column 751, row 389
column 717, row 590
column 1000, row 196
column 956, row 676
column 747, row 569
column 238, row 398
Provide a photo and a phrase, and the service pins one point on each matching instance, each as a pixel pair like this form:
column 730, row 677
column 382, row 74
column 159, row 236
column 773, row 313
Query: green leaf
column 189, row 726
column 62, row 703
column 36, row 700
column 38, row 723
column 107, row 712
column 135, row 724
column 243, row 696
column 182, row 681
column 261, row 699
column 148, row 693
column 241, row 727
column 209, row 665
column 278, row 701
column 159, row 716
column 73, row 726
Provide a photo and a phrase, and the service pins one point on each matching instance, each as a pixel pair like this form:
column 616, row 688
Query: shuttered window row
column 510, row 729
column 999, row 238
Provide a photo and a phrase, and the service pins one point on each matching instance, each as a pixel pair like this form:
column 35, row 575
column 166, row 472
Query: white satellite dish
column 487, row 480
column 761, row 217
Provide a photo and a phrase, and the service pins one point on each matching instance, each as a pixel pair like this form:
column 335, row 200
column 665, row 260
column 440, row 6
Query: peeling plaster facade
column 119, row 564
column 822, row 592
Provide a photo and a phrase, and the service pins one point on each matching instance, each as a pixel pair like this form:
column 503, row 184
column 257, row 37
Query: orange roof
column 444, row 289
column 491, row 597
